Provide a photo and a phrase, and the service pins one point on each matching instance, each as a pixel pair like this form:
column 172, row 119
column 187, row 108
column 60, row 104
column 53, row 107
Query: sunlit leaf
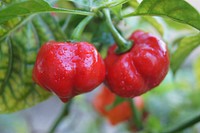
column 176, row 25
column 178, row 10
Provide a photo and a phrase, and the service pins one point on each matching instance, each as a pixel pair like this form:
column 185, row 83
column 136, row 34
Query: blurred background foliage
column 174, row 101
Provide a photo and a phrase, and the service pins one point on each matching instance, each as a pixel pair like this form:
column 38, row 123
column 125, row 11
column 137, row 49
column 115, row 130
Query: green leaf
column 17, row 55
column 117, row 10
column 186, row 46
column 17, row 90
column 31, row 7
column 178, row 10
column 176, row 25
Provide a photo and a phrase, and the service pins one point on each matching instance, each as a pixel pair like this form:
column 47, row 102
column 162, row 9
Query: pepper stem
column 76, row 35
column 136, row 114
column 62, row 115
column 123, row 45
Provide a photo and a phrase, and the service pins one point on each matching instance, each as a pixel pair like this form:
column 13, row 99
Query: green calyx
column 124, row 48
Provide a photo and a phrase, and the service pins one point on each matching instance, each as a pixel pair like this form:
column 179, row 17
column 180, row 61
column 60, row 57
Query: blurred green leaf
column 117, row 10
column 152, row 125
column 4, row 2
column 112, row 3
column 192, row 102
column 88, row 3
column 98, row 3
column 186, row 46
column 102, row 38
column 103, row 35
column 173, row 105
column 83, row 4
column 31, row 7
column 54, row 27
column 197, row 71
column 13, row 123
column 178, row 10
column 134, row 3
column 9, row 26
column 41, row 29
column 183, row 124
column 177, row 40
column 155, row 24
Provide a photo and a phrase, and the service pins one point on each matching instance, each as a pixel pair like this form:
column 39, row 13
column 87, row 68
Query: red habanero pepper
column 121, row 112
column 140, row 69
column 68, row 68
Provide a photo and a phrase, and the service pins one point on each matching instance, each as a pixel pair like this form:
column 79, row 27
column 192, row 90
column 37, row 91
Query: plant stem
column 185, row 124
column 76, row 35
column 136, row 114
column 62, row 115
column 123, row 45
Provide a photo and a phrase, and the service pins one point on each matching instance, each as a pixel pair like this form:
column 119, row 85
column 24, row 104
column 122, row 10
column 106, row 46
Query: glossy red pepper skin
column 120, row 113
column 140, row 69
column 68, row 69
